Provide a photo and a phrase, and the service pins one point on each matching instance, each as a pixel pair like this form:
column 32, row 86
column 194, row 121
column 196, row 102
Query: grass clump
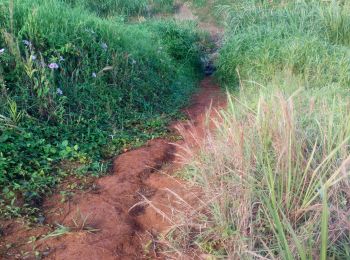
column 275, row 172
column 75, row 86
column 275, row 176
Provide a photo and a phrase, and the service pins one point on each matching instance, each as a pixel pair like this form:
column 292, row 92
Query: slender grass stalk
column 324, row 224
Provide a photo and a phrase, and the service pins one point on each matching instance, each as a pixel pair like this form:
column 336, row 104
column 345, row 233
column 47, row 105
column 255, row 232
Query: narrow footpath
column 131, row 206
column 123, row 214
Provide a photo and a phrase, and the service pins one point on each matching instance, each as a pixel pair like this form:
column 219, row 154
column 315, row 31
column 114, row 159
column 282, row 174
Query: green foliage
column 309, row 39
column 123, row 7
column 75, row 86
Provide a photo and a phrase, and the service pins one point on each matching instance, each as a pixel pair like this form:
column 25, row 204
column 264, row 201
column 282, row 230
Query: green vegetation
column 79, row 84
column 309, row 39
column 77, row 87
column 122, row 7
column 275, row 173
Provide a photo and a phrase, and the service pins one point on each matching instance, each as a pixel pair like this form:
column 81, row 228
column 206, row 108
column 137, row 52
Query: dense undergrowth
column 76, row 86
column 275, row 173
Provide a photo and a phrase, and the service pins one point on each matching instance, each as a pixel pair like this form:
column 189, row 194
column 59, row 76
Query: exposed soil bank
column 128, row 208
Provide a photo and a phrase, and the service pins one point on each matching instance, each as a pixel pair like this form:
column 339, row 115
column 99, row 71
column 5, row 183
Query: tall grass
column 310, row 39
column 275, row 170
column 275, row 177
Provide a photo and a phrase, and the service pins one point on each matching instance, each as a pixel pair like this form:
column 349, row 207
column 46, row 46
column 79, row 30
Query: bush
column 95, row 85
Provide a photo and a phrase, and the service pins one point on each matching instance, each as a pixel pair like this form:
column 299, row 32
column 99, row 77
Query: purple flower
column 53, row 66
column 104, row 46
column 59, row 92
column 94, row 75
column 2, row 51
column 27, row 43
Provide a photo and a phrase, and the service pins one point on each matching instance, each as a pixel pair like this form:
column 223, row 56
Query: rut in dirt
column 126, row 210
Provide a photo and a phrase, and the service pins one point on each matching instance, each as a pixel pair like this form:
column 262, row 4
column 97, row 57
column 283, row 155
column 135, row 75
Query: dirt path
column 123, row 214
column 125, row 211
column 117, row 207
column 185, row 13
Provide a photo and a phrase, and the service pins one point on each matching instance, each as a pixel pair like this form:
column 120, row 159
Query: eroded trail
column 122, row 215
column 126, row 210
column 117, row 208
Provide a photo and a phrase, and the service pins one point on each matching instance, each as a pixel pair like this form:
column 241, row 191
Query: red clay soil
column 126, row 208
